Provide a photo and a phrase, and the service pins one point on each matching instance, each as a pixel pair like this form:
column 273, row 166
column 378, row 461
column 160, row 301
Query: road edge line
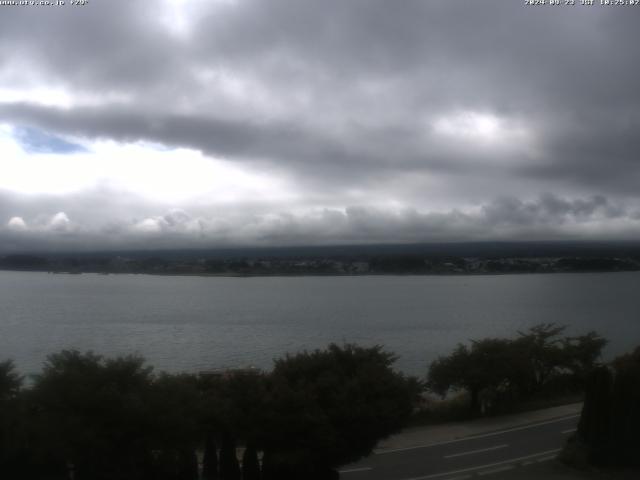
column 489, row 465
column 480, row 435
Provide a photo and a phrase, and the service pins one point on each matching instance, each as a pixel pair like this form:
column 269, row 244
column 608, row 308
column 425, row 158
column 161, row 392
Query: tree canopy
column 348, row 398
column 115, row 419
column 10, row 381
column 608, row 428
column 518, row 367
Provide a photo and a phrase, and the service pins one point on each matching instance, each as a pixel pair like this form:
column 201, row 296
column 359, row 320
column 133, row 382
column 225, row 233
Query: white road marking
column 353, row 470
column 474, row 437
column 481, row 467
column 480, row 450
column 571, row 430
column 496, row 470
column 546, row 459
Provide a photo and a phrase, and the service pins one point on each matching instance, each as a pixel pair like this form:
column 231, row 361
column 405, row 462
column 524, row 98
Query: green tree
column 490, row 365
column 93, row 414
column 10, row 381
column 176, row 406
column 543, row 349
column 331, row 407
column 234, row 411
column 538, row 360
column 582, row 353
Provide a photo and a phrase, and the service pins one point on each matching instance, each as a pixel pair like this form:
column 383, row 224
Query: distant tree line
column 86, row 417
column 387, row 264
column 498, row 371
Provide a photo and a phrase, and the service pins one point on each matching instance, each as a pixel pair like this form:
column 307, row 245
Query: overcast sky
column 128, row 124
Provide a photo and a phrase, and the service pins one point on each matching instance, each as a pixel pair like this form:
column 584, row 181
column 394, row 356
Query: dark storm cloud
column 216, row 136
column 597, row 151
column 349, row 96
column 549, row 210
column 287, row 145
column 110, row 45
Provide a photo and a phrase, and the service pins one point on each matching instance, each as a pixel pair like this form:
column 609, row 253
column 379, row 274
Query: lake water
column 198, row 323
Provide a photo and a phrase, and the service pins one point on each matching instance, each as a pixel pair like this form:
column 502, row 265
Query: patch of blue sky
column 33, row 140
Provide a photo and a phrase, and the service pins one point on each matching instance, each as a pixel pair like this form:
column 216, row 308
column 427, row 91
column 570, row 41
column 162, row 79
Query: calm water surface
column 195, row 323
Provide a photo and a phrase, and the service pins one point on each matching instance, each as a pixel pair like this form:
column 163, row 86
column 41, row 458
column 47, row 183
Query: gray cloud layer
column 69, row 224
column 344, row 96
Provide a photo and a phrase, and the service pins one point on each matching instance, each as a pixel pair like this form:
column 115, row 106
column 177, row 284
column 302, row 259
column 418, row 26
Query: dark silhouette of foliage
column 625, row 408
column 174, row 403
column 93, row 414
column 488, row 365
column 581, row 353
column 542, row 348
column 10, row 381
column 96, row 418
column 111, row 419
column 608, row 428
column 229, row 465
column 594, row 264
column 330, row 407
column 23, row 262
column 210, row 459
column 399, row 264
column 241, row 406
column 507, row 370
column 250, row 463
column 12, row 435
column 188, row 464
column 234, row 407
column 595, row 421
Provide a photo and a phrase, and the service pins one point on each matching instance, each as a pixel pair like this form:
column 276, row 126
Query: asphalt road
column 477, row 456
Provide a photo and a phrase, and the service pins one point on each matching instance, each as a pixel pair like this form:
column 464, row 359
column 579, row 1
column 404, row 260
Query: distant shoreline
column 199, row 264
column 310, row 274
